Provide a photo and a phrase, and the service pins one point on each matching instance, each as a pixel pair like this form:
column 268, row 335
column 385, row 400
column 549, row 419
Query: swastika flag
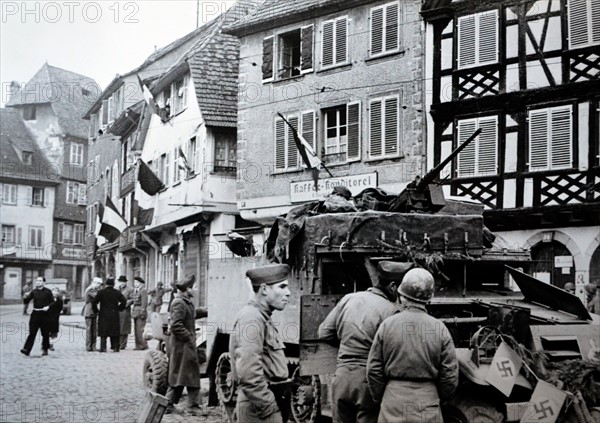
column 504, row 370
column 545, row 404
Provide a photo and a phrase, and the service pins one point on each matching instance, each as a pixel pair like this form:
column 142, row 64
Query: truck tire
column 466, row 410
column 226, row 387
column 306, row 398
column 155, row 372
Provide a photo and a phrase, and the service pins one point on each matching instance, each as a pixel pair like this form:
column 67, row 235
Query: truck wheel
column 226, row 388
column 466, row 410
column 306, row 397
column 155, row 372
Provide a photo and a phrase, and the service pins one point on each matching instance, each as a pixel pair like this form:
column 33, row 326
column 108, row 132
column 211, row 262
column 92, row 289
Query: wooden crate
column 153, row 408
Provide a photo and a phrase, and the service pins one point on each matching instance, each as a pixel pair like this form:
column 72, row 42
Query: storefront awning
column 186, row 228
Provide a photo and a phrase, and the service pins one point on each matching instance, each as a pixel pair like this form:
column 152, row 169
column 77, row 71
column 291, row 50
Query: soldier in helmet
column 593, row 300
column 353, row 323
column 570, row 287
column 412, row 364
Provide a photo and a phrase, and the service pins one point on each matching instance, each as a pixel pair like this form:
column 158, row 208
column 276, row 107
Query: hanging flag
column 145, row 216
column 149, row 182
column 309, row 157
column 100, row 240
column 545, row 404
column 113, row 223
column 148, row 97
column 504, row 369
column 182, row 161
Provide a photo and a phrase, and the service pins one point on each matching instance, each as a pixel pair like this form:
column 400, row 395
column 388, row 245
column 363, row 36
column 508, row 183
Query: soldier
column 111, row 301
column 353, row 323
column 139, row 312
column 125, row 315
column 184, row 367
column 412, row 364
column 91, row 328
column 157, row 297
column 593, row 300
column 259, row 365
column 570, row 287
column 42, row 300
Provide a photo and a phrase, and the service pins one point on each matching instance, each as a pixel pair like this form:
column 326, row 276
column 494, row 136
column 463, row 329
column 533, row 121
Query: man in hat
column 139, row 312
column 91, row 324
column 412, row 363
column 125, row 315
column 184, row 368
column 111, row 301
column 339, row 201
column 157, row 297
column 258, row 362
column 42, row 300
column 353, row 323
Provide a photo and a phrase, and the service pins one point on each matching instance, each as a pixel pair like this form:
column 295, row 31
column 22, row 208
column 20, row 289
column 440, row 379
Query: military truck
column 476, row 295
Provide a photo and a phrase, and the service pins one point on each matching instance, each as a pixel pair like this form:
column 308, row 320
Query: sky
column 98, row 39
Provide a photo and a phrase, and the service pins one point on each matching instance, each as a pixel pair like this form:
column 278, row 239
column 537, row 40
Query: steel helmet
column 590, row 288
column 569, row 286
column 417, row 285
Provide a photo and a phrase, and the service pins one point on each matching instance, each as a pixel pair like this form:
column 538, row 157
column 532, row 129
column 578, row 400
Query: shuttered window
column 384, row 131
column 480, row 157
column 550, row 139
column 308, row 129
column 584, row 23
column 306, row 48
column 267, row 64
column 334, row 45
column 478, row 39
column 287, row 156
column 353, row 131
column 384, row 33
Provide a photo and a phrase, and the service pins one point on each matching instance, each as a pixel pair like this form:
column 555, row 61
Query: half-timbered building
column 527, row 73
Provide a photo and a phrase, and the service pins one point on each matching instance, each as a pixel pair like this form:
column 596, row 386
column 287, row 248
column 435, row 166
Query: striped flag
column 148, row 97
column 182, row 162
column 149, row 182
column 113, row 223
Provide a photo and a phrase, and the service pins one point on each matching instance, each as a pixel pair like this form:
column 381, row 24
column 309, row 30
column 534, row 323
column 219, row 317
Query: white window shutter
column 392, row 17
column 308, row 131
column 176, row 169
column 61, row 227
column 292, row 150
column 487, row 146
column 280, row 144
column 268, row 53
column 327, row 44
column 488, row 37
column 375, row 129
column 306, row 48
column 82, row 195
column 377, row 30
column 560, row 143
column 391, row 132
column 466, row 158
column 538, row 140
column 46, row 199
column 595, row 20
column 29, row 196
column 353, row 114
column 466, row 41
column 578, row 23
column 341, row 40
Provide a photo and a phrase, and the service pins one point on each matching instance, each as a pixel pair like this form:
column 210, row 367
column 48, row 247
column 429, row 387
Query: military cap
column 393, row 270
column 186, row 283
column 343, row 191
column 137, row 278
column 122, row 279
column 110, row 281
column 270, row 274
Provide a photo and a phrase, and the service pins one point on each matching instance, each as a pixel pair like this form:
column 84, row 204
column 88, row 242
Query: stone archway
column 595, row 267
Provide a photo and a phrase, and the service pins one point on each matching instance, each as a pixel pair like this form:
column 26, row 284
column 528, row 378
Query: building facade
column 348, row 77
column 528, row 75
column 28, row 181
column 52, row 104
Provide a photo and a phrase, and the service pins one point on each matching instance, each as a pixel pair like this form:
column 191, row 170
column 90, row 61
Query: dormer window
column 27, row 157
column 29, row 112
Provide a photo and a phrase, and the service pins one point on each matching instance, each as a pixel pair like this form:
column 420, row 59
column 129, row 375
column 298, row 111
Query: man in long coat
column 111, row 301
column 125, row 315
column 258, row 360
column 353, row 323
column 184, row 368
column 91, row 318
column 412, row 363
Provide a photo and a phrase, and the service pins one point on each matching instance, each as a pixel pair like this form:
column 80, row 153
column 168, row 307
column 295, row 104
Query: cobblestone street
column 71, row 384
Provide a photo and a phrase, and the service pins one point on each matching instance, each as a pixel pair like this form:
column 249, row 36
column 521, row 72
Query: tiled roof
column 274, row 13
column 213, row 62
column 63, row 89
column 14, row 139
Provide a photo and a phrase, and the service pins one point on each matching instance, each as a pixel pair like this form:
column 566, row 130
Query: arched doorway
column 595, row 267
column 111, row 267
column 136, row 267
column 553, row 263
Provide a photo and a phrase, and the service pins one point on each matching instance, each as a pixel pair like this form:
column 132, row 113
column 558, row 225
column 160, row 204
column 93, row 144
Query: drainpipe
column 156, row 251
